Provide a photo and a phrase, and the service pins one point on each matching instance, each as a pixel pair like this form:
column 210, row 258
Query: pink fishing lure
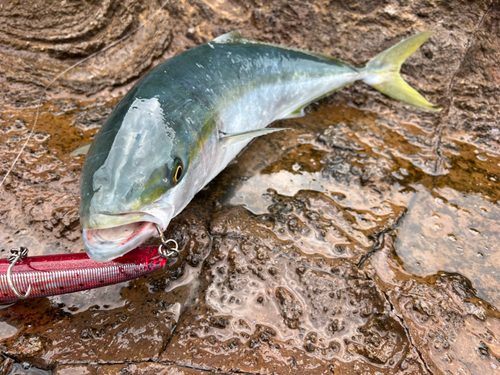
column 67, row 273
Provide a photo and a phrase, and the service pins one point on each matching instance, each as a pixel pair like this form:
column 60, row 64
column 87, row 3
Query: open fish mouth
column 103, row 245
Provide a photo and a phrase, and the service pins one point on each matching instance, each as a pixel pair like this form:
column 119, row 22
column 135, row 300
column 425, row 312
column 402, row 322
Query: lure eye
column 178, row 171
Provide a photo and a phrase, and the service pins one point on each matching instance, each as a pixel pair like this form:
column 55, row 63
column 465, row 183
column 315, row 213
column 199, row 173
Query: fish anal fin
column 232, row 139
column 299, row 112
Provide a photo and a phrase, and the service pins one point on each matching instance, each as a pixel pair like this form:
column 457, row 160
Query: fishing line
column 39, row 104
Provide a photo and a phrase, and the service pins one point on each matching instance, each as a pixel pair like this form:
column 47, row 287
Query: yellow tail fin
column 383, row 72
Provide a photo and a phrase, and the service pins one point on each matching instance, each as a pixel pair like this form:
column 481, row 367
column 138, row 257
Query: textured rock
column 362, row 241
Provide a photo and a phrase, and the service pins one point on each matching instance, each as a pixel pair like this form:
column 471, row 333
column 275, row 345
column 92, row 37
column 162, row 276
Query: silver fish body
column 187, row 118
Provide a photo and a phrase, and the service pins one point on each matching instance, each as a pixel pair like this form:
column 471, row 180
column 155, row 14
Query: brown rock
column 363, row 241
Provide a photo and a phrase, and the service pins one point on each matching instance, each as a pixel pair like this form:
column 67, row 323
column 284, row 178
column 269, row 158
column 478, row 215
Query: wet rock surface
column 362, row 241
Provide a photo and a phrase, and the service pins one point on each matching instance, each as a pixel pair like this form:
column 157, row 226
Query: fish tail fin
column 382, row 72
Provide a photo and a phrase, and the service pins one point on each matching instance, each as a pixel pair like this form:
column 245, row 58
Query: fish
column 188, row 117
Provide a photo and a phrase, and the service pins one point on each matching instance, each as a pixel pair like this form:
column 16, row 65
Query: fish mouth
column 110, row 242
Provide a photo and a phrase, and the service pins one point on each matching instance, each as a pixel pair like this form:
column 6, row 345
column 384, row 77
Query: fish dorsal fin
column 235, row 37
column 236, row 138
column 231, row 37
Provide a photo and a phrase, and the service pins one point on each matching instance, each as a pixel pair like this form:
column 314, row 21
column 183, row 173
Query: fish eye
column 178, row 171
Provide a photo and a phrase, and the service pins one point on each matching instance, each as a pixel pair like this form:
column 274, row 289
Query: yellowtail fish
column 187, row 118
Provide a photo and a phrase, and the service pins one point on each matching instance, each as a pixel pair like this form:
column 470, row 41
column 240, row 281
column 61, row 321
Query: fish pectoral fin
column 82, row 150
column 231, row 139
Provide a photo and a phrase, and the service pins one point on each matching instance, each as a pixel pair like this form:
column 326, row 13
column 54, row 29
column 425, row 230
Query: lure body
column 68, row 273
column 185, row 120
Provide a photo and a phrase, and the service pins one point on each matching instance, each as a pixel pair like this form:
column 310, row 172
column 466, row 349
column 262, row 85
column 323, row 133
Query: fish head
column 131, row 180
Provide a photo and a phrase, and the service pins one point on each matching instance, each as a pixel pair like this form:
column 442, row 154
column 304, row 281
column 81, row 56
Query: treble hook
column 17, row 255
column 172, row 252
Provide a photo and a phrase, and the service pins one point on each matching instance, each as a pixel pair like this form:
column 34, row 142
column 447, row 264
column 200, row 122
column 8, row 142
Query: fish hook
column 17, row 255
column 172, row 252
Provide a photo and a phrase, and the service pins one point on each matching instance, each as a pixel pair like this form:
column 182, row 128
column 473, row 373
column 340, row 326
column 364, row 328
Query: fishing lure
column 186, row 119
column 50, row 275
